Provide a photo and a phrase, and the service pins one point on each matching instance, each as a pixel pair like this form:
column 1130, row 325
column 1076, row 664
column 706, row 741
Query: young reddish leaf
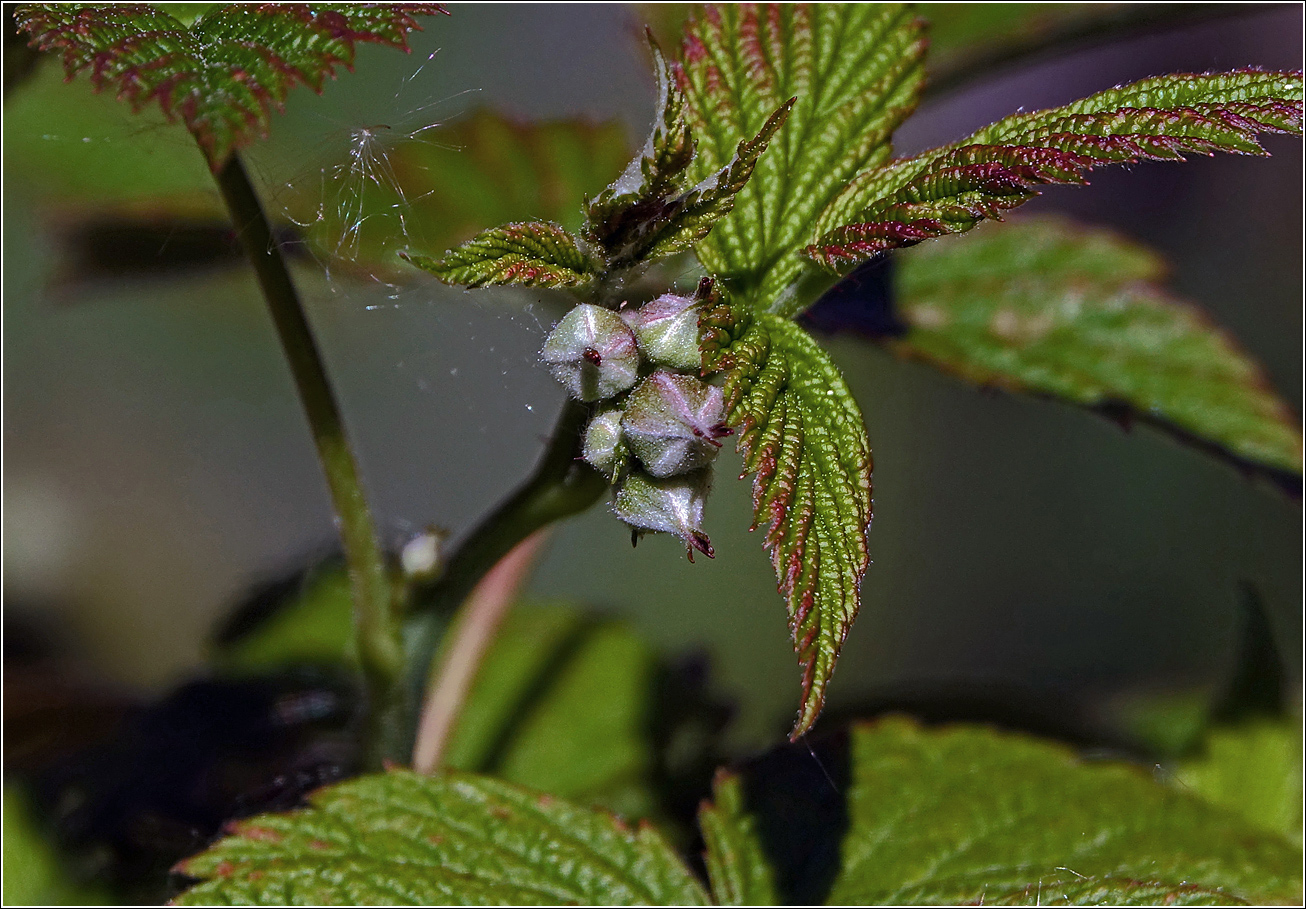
column 802, row 434
column 536, row 254
column 652, row 210
column 224, row 74
column 951, row 189
column 855, row 70
column 1045, row 307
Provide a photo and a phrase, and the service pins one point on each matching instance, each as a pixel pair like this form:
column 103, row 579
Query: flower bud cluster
column 658, row 426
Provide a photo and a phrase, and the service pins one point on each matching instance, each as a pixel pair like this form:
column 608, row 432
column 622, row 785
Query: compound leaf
column 223, row 74
column 802, row 434
column 1078, row 314
column 951, row 189
column 536, row 254
column 736, row 863
column 855, row 70
column 965, row 814
column 449, row 839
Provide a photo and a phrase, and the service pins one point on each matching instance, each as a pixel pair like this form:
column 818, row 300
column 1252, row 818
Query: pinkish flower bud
column 592, row 353
column 672, row 423
column 673, row 505
column 605, row 448
column 666, row 330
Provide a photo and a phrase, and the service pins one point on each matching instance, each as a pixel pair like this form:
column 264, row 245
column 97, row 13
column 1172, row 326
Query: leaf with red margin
column 951, row 189
column 537, row 254
column 802, row 434
column 224, row 74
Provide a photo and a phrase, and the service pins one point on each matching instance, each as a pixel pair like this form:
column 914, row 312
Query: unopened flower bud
column 672, row 423
column 592, row 352
column 673, row 505
column 666, row 330
column 605, row 448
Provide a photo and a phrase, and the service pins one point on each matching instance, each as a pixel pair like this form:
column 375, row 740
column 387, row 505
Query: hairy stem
column 561, row 486
column 376, row 597
column 468, row 639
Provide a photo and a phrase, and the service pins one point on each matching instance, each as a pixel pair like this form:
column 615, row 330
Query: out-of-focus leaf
column 1253, row 768
column 311, row 623
column 1045, row 307
column 535, row 254
column 855, row 70
column 951, row 189
column 736, row 864
column 802, row 434
column 953, row 815
column 222, row 75
column 438, row 186
column 33, row 874
column 561, row 704
column 453, row 838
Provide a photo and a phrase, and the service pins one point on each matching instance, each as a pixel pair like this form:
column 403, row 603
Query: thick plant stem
column 561, row 486
column 468, row 639
column 376, row 596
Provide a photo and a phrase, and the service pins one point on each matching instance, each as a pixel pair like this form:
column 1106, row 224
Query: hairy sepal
column 951, row 189
column 802, row 436
column 534, row 254
column 222, row 76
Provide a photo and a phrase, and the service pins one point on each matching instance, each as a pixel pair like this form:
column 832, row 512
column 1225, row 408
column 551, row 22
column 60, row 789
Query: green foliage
column 223, row 74
column 966, row 813
column 802, row 434
column 561, row 704
column 736, row 863
column 537, row 254
column 32, row 872
column 1046, row 307
column 855, row 70
column 951, row 189
column 446, row 182
column 452, row 839
column 1253, row 768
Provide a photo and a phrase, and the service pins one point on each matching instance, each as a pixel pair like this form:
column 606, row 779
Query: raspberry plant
column 770, row 162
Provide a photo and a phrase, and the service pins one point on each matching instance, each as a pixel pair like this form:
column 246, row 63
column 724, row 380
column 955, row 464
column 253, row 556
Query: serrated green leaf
column 536, row 254
column 951, row 189
column 1044, row 306
column 453, row 838
column 855, row 70
column 438, row 186
column 1253, row 768
column 953, row 815
column 802, row 434
column 736, row 864
column 1065, row 888
column 223, row 74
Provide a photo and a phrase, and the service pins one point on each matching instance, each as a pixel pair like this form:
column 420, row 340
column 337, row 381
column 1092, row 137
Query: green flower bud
column 592, row 353
column 666, row 330
column 604, row 448
column 673, row 505
column 672, row 423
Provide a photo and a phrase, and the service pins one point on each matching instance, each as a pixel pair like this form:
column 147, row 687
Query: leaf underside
column 855, row 70
column 1078, row 314
column 967, row 814
column 951, row 189
column 222, row 76
column 537, row 254
column 802, row 434
column 450, row 839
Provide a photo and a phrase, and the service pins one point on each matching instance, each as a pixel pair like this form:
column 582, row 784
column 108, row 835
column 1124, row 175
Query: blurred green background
column 156, row 465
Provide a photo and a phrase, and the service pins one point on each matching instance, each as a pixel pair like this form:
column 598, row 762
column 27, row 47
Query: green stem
column 561, row 486
column 376, row 597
